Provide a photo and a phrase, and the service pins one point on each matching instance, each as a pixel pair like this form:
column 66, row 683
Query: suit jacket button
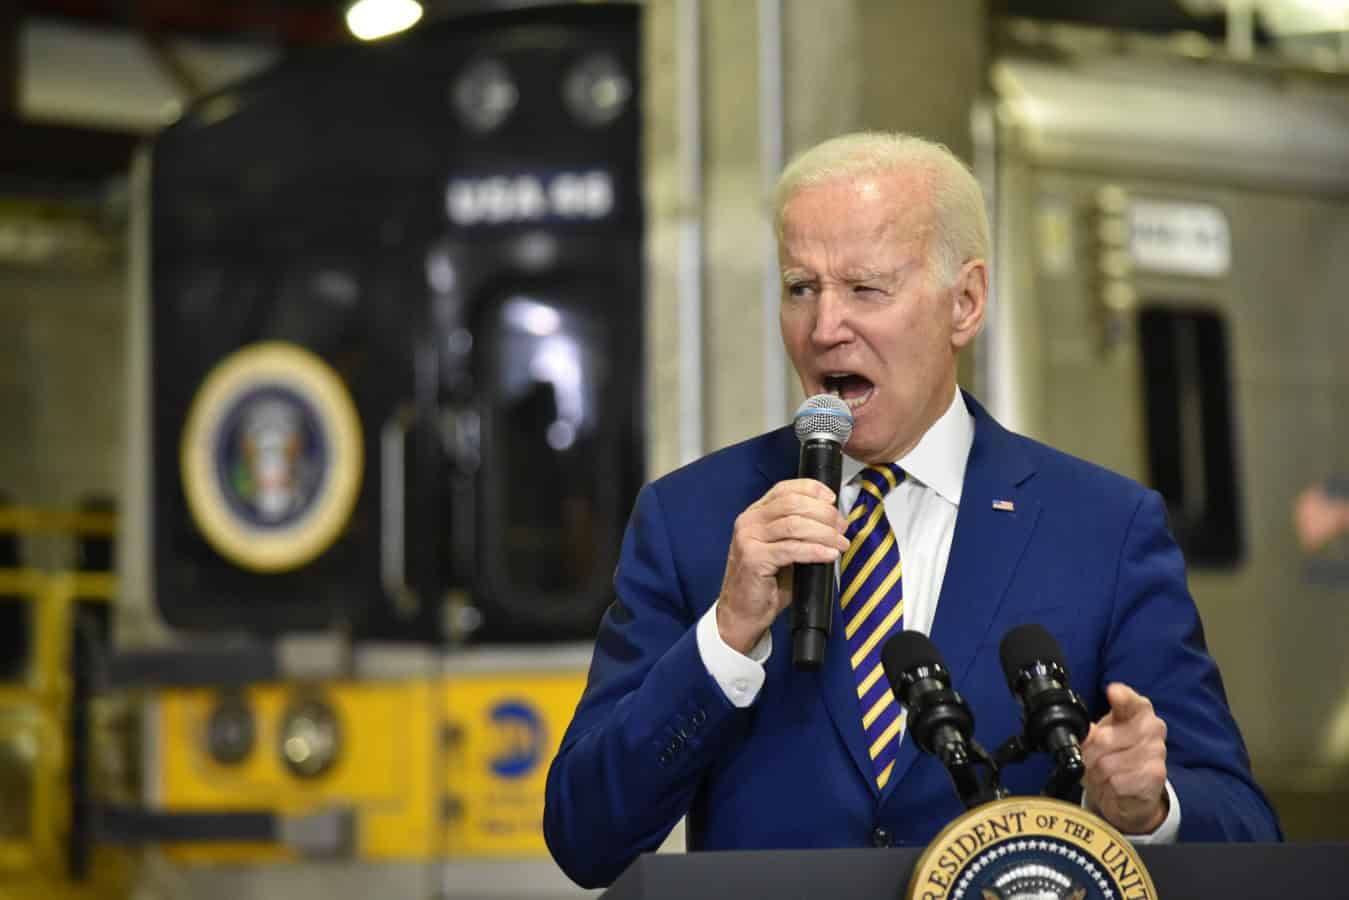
column 665, row 757
column 881, row 836
column 677, row 742
column 699, row 717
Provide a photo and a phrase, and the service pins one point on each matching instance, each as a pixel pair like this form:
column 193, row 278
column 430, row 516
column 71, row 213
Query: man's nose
column 831, row 321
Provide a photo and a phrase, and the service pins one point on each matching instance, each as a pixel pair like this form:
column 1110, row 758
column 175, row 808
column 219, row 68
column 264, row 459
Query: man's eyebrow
column 796, row 273
column 865, row 274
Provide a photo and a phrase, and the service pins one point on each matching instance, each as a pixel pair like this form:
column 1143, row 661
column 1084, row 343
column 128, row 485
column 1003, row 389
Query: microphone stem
column 1069, row 768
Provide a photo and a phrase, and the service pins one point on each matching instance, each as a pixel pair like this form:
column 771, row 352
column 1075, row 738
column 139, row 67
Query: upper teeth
column 853, row 402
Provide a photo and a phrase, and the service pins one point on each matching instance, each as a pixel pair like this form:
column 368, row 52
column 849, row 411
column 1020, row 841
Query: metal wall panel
column 1080, row 142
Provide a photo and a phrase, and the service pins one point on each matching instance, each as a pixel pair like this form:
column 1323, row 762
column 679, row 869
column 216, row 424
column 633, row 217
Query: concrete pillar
column 845, row 65
column 9, row 60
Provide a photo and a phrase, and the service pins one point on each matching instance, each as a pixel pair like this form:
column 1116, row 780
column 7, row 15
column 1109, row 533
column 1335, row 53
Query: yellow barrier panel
column 33, row 520
column 432, row 768
column 510, row 726
column 33, row 726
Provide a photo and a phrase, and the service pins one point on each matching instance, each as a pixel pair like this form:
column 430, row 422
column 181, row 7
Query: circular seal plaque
column 271, row 457
column 1030, row 848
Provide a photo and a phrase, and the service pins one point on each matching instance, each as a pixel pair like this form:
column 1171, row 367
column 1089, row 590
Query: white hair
column 958, row 214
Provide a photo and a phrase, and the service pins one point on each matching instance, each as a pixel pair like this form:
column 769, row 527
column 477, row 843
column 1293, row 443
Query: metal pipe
column 689, row 68
column 771, row 160
column 996, row 373
column 1241, row 28
column 688, row 76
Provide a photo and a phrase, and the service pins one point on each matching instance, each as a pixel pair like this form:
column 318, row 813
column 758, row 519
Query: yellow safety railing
column 35, row 520
column 36, row 708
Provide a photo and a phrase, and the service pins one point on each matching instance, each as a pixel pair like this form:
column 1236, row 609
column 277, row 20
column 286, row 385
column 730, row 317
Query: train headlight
column 231, row 730
column 485, row 95
column 597, row 89
column 310, row 739
column 18, row 764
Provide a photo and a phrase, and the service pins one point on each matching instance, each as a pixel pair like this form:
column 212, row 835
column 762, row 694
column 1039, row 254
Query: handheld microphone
column 823, row 425
column 940, row 721
column 1054, row 718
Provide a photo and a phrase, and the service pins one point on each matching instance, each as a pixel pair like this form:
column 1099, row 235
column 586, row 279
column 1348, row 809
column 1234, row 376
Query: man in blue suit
column 947, row 523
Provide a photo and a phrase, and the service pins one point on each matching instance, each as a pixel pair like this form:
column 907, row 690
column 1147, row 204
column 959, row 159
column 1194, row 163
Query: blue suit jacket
column 1086, row 553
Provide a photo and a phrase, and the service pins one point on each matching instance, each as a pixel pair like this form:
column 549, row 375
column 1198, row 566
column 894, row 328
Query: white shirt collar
column 939, row 458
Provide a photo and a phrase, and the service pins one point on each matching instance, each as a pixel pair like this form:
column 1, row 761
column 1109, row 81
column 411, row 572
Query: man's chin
column 866, row 452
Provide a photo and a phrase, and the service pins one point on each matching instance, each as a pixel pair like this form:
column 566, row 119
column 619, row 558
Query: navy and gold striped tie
column 872, row 600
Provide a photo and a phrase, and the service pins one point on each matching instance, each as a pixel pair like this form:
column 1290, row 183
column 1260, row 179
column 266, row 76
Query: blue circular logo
column 1030, row 848
column 519, row 739
column 271, row 457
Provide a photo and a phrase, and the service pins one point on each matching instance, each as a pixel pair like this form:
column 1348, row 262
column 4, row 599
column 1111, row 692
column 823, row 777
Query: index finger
column 807, row 486
column 1125, row 702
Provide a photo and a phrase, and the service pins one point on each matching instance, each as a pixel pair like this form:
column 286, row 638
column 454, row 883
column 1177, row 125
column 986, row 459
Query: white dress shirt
column 922, row 514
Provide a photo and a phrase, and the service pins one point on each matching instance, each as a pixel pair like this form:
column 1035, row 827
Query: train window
column 551, row 431
column 15, row 642
column 1187, row 394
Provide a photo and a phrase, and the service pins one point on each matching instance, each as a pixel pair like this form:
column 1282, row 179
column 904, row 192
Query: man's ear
column 969, row 295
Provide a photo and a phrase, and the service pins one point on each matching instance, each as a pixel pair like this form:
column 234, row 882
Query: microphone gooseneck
column 940, row 721
column 1054, row 717
column 823, row 425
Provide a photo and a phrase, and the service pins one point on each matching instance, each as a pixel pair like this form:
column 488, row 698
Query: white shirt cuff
column 741, row 677
column 1166, row 833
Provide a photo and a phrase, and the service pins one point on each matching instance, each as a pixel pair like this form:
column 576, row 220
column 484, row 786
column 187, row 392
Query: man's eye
column 800, row 289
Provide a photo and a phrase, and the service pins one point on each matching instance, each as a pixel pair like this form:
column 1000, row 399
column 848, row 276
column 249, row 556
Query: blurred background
column 336, row 340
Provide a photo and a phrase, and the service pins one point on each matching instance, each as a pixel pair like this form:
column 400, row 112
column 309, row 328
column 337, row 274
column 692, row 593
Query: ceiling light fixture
column 371, row 20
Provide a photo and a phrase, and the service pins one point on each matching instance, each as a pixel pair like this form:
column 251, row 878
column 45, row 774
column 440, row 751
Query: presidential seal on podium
column 271, row 457
column 1030, row 848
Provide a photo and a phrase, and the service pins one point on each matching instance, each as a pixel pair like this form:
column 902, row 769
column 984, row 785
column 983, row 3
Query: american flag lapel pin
column 1004, row 505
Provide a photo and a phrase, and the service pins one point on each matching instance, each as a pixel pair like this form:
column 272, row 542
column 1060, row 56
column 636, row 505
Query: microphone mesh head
column 1026, row 644
column 823, row 416
column 906, row 650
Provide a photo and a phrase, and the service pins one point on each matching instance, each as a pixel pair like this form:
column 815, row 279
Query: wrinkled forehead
column 864, row 210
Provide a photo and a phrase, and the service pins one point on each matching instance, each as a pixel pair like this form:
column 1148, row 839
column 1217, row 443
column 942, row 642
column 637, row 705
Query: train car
column 388, row 318
column 1171, row 249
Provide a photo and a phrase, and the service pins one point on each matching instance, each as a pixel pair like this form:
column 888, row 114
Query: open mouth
column 852, row 389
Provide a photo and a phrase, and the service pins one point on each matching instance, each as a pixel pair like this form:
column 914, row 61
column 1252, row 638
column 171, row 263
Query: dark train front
column 394, row 315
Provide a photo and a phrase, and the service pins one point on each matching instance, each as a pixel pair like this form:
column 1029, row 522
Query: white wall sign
column 1179, row 238
column 512, row 199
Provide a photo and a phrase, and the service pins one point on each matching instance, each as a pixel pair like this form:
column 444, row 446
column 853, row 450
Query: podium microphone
column 823, row 425
column 1054, row 717
column 940, row 721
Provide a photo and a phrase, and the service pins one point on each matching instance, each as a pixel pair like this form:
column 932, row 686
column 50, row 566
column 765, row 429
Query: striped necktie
column 872, row 600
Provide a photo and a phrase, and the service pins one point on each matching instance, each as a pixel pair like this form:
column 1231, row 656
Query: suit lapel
column 985, row 549
column 836, row 681
column 839, row 685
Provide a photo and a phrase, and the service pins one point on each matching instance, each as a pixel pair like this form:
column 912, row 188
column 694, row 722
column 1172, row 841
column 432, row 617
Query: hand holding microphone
column 823, row 425
column 796, row 522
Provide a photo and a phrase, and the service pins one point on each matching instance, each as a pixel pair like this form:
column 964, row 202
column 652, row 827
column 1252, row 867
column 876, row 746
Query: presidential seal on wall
column 271, row 457
column 1030, row 848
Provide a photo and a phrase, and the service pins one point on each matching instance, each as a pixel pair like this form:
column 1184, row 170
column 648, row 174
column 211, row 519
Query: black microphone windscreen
column 1026, row 644
column 906, row 650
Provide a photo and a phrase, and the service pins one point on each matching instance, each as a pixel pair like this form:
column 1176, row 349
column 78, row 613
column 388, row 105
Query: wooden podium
column 1180, row 872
